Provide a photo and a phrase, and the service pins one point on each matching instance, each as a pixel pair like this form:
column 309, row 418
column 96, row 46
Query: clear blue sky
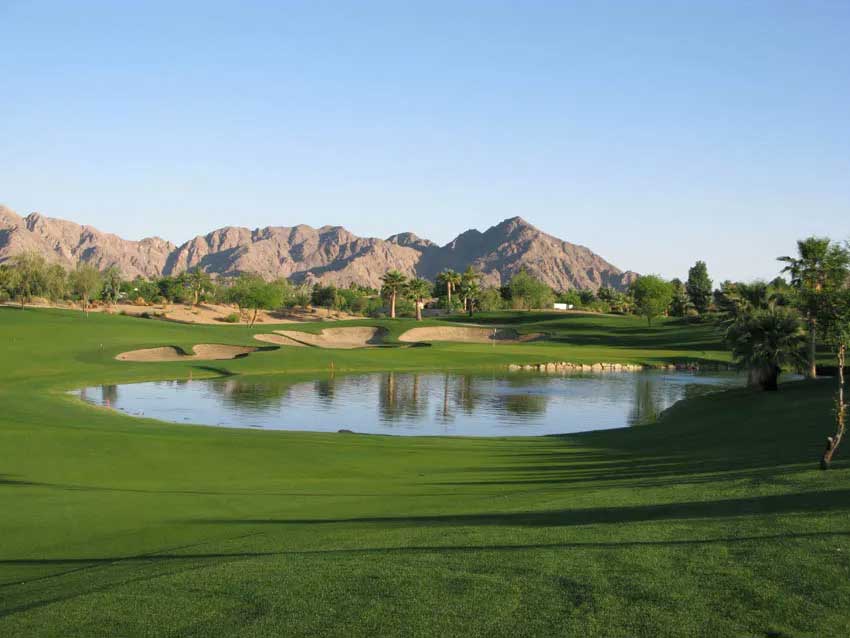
column 654, row 133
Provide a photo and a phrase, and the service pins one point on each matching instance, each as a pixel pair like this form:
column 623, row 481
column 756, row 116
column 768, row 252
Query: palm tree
column 469, row 287
column 820, row 267
column 198, row 280
column 470, row 291
column 393, row 284
column 451, row 279
column 737, row 300
column 419, row 290
column 765, row 337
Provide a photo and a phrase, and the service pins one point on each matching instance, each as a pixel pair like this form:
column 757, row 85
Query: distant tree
column 86, row 283
column 300, row 296
column 586, row 297
column 450, row 279
column 197, row 281
column 111, row 285
column 606, row 294
column 393, row 285
column 418, row 290
column 172, row 289
column 8, row 282
column 325, row 296
column 570, row 297
column 818, row 271
column 612, row 300
column 681, row 303
column 528, row 292
column 471, row 291
column 699, row 287
column 30, row 276
column 652, row 296
column 490, row 299
column 55, row 282
column 469, row 288
column 251, row 293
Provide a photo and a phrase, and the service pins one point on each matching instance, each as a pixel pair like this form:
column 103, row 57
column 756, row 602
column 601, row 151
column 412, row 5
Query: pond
column 450, row 403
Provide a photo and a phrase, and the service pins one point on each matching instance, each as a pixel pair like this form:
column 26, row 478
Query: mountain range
column 329, row 254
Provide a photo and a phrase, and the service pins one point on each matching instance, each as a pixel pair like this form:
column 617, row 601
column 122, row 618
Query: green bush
column 233, row 317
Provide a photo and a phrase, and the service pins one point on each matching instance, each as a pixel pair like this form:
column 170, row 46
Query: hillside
column 329, row 254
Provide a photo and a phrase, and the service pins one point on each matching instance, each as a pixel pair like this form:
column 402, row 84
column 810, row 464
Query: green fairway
column 714, row 521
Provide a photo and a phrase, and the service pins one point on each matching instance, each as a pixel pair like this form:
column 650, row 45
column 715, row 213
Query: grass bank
column 714, row 521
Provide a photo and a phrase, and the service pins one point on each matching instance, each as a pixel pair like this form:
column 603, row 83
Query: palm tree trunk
column 418, row 310
column 833, row 441
column 449, row 291
column 812, row 372
column 763, row 377
column 392, row 305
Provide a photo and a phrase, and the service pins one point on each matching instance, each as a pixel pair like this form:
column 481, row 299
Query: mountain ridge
column 327, row 254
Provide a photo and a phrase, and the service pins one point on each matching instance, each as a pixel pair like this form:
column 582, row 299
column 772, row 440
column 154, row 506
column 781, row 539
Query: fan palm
column 469, row 287
column 419, row 290
column 451, row 279
column 765, row 341
column 393, row 284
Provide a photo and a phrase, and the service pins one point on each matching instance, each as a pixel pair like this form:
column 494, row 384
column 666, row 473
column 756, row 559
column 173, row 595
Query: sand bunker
column 340, row 338
column 468, row 334
column 279, row 340
column 202, row 351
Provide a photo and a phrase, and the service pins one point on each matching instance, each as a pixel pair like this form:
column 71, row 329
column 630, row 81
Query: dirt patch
column 202, row 351
column 206, row 313
column 338, row 338
column 218, row 313
column 467, row 334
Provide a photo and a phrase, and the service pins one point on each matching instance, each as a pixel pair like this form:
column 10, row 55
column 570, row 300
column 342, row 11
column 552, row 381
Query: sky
column 655, row 133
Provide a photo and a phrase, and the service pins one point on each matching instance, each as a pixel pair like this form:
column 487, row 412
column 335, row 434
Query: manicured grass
column 712, row 522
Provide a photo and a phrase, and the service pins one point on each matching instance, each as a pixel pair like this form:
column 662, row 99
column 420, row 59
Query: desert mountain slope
column 329, row 254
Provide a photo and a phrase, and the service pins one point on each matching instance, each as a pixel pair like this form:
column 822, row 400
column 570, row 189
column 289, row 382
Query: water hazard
column 433, row 403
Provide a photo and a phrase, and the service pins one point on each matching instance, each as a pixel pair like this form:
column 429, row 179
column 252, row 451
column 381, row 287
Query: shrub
column 233, row 317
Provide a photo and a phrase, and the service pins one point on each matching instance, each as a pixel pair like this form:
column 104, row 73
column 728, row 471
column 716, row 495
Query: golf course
column 712, row 521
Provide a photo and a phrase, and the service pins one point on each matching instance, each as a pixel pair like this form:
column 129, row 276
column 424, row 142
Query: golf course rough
column 714, row 521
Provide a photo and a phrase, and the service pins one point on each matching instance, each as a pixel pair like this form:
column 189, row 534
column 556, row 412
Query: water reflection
column 417, row 403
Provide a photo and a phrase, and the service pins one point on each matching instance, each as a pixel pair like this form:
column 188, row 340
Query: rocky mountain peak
column 328, row 254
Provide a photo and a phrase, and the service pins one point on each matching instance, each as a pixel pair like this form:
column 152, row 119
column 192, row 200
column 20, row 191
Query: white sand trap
column 467, row 334
column 202, row 351
column 339, row 338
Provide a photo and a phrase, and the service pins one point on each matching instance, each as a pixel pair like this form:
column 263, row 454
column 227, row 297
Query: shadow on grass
column 824, row 501
column 7, row 480
column 604, row 545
